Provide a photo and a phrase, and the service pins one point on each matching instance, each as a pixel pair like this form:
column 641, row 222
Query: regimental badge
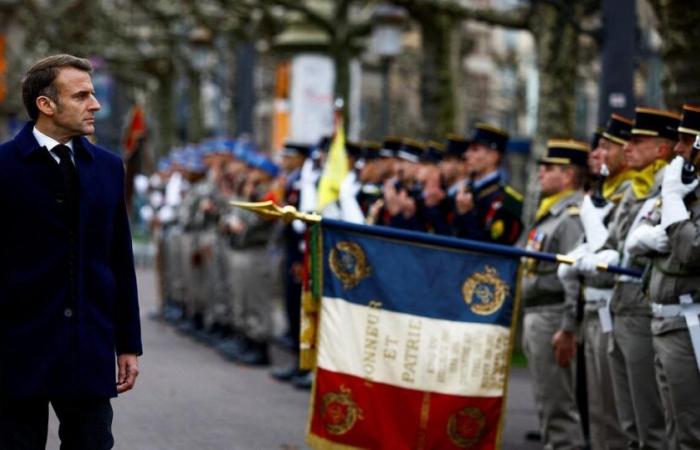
column 349, row 263
column 466, row 427
column 338, row 412
column 497, row 229
column 485, row 292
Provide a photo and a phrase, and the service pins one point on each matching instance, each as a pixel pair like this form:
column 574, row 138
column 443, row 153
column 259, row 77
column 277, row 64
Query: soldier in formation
column 227, row 275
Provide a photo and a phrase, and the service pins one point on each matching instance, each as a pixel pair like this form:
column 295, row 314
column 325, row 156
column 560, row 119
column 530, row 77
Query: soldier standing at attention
column 597, row 209
column 674, row 288
column 548, row 327
column 632, row 355
column 487, row 209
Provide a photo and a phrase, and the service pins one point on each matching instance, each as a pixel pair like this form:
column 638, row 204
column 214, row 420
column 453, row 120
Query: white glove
column 592, row 219
column 588, row 263
column 672, row 192
column 647, row 239
column 569, row 271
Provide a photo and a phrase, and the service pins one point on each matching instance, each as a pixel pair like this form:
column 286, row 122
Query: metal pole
column 617, row 59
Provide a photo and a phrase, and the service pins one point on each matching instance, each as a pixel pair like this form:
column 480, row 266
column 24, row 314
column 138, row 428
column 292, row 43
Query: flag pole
column 289, row 213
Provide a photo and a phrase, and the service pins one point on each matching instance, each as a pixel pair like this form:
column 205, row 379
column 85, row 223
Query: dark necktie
column 70, row 176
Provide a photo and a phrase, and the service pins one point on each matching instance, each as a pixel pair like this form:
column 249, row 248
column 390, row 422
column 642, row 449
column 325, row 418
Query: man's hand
column 128, row 365
column 564, row 343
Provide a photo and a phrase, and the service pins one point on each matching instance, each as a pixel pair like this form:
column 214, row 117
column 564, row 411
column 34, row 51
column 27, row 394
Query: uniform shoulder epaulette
column 573, row 210
column 513, row 193
column 512, row 200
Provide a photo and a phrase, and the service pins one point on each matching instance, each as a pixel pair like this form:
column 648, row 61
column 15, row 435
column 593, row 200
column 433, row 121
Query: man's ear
column 45, row 105
column 664, row 150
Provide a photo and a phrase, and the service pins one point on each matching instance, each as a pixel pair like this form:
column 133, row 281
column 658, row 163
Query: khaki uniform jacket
column 678, row 272
column 628, row 297
column 557, row 232
column 601, row 280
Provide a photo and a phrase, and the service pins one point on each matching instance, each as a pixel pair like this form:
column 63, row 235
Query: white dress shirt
column 49, row 143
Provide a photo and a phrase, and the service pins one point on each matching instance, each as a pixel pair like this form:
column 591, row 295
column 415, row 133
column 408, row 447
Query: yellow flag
column 334, row 171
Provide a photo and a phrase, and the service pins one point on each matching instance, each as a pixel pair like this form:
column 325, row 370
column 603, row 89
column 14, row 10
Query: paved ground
column 189, row 398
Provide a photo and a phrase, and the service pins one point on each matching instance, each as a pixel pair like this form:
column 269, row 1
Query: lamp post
column 386, row 43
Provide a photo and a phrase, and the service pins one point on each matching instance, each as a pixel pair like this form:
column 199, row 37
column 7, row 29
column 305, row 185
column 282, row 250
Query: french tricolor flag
column 413, row 344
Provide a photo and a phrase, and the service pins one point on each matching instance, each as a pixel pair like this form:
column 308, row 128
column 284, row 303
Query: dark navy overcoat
column 58, row 339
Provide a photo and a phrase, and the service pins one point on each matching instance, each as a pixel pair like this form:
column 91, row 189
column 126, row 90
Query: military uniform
column 556, row 230
column 605, row 430
column 495, row 216
column 543, row 297
column 674, row 289
column 631, row 353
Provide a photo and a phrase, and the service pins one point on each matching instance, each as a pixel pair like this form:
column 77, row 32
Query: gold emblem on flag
column 466, row 427
column 338, row 412
column 485, row 292
column 349, row 263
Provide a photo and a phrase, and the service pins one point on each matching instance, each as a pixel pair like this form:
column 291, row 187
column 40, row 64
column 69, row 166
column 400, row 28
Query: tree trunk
column 195, row 119
column 165, row 107
column 556, row 43
column 437, row 75
column 679, row 27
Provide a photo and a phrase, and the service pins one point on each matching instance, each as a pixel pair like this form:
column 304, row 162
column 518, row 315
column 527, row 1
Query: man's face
column 76, row 105
column 553, row 178
column 450, row 169
column 684, row 145
column 596, row 158
column 614, row 156
column 640, row 152
column 480, row 159
column 292, row 161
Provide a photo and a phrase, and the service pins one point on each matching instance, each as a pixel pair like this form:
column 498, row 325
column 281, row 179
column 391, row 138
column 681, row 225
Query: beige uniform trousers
column 555, row 396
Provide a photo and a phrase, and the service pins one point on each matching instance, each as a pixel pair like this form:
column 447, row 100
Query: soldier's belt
column 691, row 312
column 601, row 298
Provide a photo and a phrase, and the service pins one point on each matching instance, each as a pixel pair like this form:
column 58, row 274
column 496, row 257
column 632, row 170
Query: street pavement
column 189, row 398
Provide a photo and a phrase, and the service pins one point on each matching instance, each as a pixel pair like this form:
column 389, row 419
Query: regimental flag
column 414, row 340
column 135, row 131
column 335, row 169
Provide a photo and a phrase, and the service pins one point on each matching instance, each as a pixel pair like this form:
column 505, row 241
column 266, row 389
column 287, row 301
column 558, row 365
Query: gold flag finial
column 269, row 209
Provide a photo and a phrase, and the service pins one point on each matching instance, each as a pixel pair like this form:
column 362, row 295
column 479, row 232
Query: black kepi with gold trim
column 653, row 122
column 565, row 152
column 595, row 139
column 690, row 121
column 619, row 129
column 490, row 136
column 433, row 154
column 353, row 149
column 390, row 147
column 370, row 150
column 410, row 150
column 455, row 146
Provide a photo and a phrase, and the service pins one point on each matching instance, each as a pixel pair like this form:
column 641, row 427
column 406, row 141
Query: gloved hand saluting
column 672, row 192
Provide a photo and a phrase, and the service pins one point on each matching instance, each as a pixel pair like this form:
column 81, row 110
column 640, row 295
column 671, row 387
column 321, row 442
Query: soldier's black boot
column 286, row 373
column 257, row 354
column 304, row 380
column 233, row 347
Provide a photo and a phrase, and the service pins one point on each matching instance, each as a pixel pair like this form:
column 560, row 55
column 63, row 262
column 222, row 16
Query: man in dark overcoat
column 67, row 284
